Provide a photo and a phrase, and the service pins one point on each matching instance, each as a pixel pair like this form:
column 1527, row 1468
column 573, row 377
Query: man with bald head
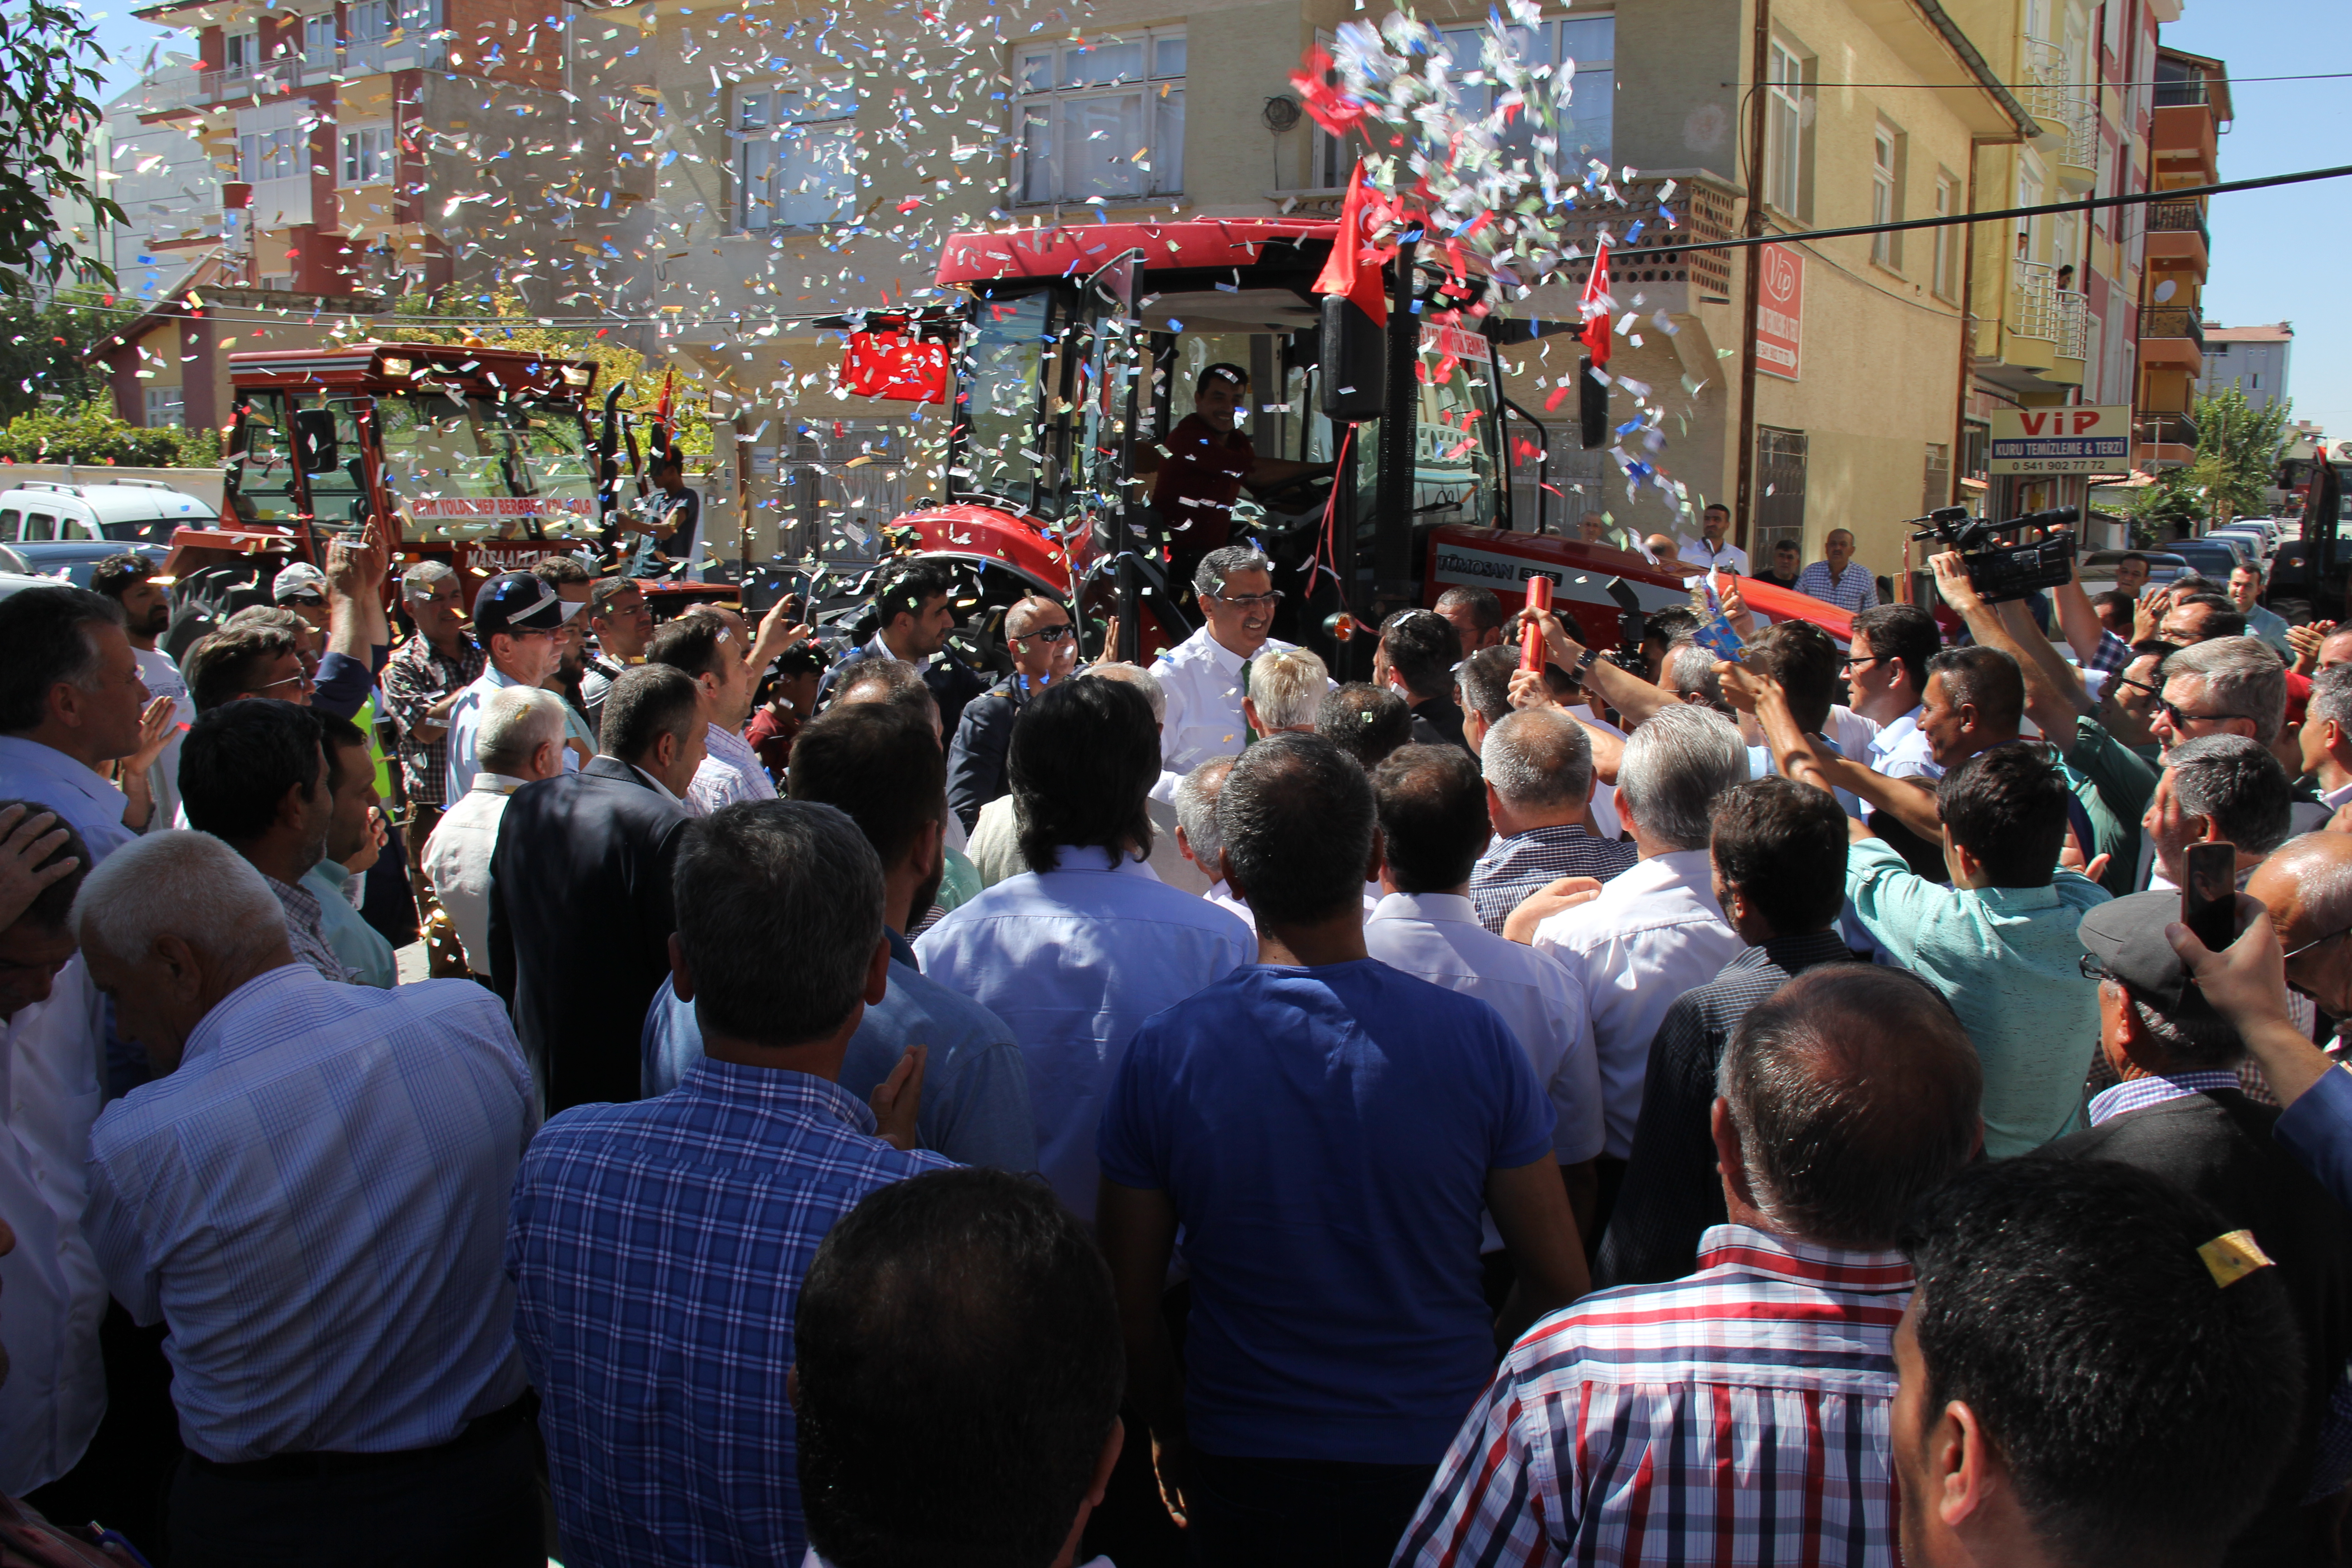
column 1045, row 647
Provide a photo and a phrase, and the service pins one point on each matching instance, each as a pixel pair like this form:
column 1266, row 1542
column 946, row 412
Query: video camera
column 2000, row 564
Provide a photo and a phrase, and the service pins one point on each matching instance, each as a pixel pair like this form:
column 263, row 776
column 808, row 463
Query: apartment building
column 2190, row 103
column 316, row 158
column 771, row 143
column 2252, row 359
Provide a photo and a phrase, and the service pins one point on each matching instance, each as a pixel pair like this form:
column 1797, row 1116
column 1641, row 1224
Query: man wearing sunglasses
column 1205, row 676
column 1045, row 648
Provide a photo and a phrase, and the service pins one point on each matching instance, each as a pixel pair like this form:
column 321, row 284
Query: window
column 166, row 406
column 1332, row 159
column 1936, row 490
column 1946, row 248
column 1102, row 119
column 269, row 154
column 1882, row 197
column 370, row 21
column 795, row 151
column 319, row 39
column 240, row 52
column 1785, row 124
column 1589, row 44
column 367, row 155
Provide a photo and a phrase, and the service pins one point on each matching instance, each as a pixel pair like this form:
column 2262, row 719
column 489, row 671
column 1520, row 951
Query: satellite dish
column 2344, row 448
column 2166, row 290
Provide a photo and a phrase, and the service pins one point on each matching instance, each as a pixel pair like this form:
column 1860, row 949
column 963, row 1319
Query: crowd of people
column 1659, row 1106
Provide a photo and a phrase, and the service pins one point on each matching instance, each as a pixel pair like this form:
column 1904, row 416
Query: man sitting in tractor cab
column 1207, row 460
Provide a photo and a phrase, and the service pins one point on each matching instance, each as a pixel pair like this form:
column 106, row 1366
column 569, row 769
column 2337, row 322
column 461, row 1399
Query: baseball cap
column 518, row 602
column 2127, row 936
column 300, row 581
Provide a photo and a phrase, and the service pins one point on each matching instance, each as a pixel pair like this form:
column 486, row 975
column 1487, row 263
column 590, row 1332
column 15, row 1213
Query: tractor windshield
column 475, row 468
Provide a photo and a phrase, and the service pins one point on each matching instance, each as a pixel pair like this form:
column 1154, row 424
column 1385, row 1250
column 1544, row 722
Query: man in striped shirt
column 1738, row 1415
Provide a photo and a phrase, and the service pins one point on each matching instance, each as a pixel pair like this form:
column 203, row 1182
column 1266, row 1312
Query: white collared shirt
column 456, row 861
column 2338, row 799
column 1074, row 960
column 1654, row 932
column 730, row 770
column 91, row 806
column 1437, row 937
column 52, row 1293
column 464, row 733
column 1202, row 679
column 1698, row 552
column 659, row 788
column 1900, row 750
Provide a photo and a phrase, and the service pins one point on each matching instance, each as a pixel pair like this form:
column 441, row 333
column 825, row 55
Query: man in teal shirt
column 1999, row 941
column 351, row 836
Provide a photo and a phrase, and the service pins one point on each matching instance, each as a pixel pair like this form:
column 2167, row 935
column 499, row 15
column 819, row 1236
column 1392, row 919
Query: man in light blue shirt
column 515, row 618
column 353, row 799
column 1075, row 956
column 313, row 1194
column 1999, row 941
column 70, row 701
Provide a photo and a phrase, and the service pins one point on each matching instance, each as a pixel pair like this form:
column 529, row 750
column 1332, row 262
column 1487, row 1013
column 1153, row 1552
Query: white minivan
column 139, row 511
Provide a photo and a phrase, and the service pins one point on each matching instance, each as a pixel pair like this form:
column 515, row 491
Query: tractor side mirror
column 315, row 447
column 1355, row 362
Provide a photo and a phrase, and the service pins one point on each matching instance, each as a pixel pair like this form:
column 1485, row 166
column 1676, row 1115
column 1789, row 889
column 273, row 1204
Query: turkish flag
column 889, row 364
column 1596, row 304
column 1348, row 272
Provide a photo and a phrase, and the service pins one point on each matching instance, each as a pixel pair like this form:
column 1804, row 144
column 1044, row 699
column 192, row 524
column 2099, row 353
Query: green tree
column 90, row 433
column 41, row 347
column 2237, row 452
column 49, row 59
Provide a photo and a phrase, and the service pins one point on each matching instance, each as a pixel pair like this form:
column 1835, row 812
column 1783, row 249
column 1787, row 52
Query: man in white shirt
column 522, row 743
column 52, row 1294
column 1433, row 813
column 515, row 618
column 1711, row 549
column 2327, row 736
column 1886, row 675
column 709, row 645
column 1204, row 676
column 1655, row 931
column 129, row 580
column 1197, row 839
column 1074, row 956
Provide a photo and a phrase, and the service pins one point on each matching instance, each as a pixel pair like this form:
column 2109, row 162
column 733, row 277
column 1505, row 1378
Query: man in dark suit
column 580, row 912
column 2179, row 1113
column 913, row 616
column 1416, row 655
column 1045, row 648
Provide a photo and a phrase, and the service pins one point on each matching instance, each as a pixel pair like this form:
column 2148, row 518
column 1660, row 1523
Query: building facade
column 2252, row 360
column 2191, row 103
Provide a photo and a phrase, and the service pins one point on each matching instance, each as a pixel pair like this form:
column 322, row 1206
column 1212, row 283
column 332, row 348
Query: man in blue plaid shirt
column 657, row 1249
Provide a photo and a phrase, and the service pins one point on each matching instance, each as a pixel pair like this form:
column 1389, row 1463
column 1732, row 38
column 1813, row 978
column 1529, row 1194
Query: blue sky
column 2276, row 253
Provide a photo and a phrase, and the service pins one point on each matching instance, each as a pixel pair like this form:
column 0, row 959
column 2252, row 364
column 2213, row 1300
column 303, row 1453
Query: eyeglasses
column 1249, row 601
column 2172, row 711
column 2147, row 686
column 1850, row 665
column 302, row 681
column 1046, row 634
column 2091, row 966
column 2320, row 941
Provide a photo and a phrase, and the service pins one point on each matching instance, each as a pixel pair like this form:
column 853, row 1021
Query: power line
column 2036, row 86
column 2138, row 198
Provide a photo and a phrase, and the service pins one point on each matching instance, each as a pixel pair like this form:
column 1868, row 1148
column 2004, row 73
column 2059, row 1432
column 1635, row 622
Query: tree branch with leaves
column 49, row 120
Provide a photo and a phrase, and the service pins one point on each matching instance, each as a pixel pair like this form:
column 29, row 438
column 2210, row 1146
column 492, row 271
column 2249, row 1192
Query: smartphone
column 763, row 585
column 1531, row 638
column 2209, row 900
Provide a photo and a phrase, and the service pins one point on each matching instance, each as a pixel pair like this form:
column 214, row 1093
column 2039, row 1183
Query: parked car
column 2214, row 556
column 75, row 560
column 140, row 511
column 16, row 573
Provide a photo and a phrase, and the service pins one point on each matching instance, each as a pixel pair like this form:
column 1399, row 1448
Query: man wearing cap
column 302, row 588
column 2180, row 1114
column 515, row 618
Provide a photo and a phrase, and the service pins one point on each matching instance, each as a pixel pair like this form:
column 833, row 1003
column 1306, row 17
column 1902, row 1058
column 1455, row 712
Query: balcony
column 2066, row 112
column 2176, row 235
column 2164, row 441
column 2183, row 134
column 2172, row 334
column 1703, row 208
column 271, row 79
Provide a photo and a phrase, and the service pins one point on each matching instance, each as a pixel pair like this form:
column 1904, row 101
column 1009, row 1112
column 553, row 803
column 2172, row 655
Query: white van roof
column 114, row 500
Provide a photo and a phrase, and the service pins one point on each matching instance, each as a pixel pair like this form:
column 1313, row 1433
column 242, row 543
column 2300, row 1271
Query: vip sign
column 2094, row 439
column 1780, row 310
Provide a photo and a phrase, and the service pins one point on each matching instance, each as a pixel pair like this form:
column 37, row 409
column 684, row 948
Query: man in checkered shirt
column 1738, row 1415
column 1835, row 579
